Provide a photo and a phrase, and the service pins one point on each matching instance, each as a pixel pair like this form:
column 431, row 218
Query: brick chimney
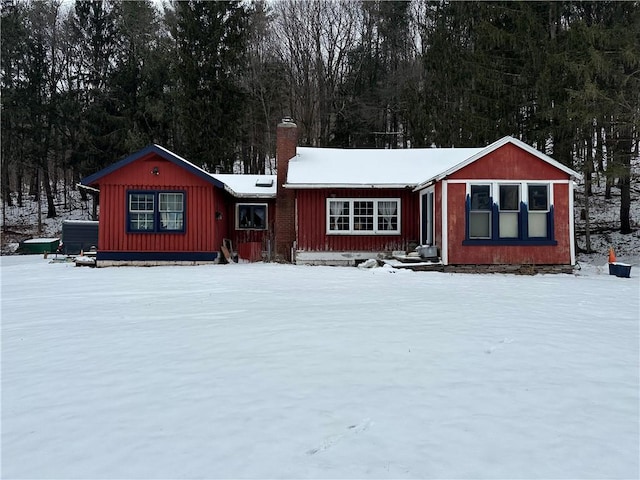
column 286, row 145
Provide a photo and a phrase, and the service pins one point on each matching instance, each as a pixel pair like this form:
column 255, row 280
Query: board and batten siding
column 507, row 163
column 201, row 201
column 311, row 206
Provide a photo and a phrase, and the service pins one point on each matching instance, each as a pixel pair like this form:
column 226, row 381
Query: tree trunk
column 51, row 207
column 588, row 168
column 625, row 151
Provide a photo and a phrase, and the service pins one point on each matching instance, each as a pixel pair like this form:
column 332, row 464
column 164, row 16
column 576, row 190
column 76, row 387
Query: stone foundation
column 522, row 269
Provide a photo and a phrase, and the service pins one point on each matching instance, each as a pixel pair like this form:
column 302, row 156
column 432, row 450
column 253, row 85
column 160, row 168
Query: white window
column 141, row 212
column 251, row 216
column 363, row 216
column 171, row 211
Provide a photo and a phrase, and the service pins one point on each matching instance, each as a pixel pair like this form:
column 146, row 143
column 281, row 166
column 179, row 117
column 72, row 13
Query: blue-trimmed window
column 516, row 213
column 150, row 211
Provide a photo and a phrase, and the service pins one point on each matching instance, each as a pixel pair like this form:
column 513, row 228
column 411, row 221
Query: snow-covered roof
column 374, row 168
column 322, row 167
column 254, row 186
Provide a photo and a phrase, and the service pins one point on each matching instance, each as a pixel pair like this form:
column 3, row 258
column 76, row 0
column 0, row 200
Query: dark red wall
column 312, row 221
column 203, row 233
column 506, row 163
column 250, row 243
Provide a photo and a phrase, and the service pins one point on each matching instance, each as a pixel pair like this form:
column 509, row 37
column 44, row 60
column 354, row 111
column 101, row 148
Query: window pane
column 338, row 215
column 259, row 217
column 141, row 221
column 244, row 216
column 363, row 215
column 388, row 215
column 479, row 224
column 480, row 197
column 141, row 202
column 171, row 202
column 141, row 212
column 171, row 221
column 509, row 198
column 538, row 225
column 538, row 197
column 171, row 206
column 508, row 225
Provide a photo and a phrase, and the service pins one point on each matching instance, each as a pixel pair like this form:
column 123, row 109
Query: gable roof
column 370, row 168
column 248, row 186
column 161, row 152
column 397, row 168
column 494, row 146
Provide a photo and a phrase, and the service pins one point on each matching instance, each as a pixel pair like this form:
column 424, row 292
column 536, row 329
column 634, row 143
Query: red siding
column 506, row 163
column 312, row 221
column 201, row 199
column 509, row 162
column 248, row 242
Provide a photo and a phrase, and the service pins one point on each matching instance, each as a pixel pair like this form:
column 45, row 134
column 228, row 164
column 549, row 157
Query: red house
column 495, row 207
column 157, row 207
column 505, row 204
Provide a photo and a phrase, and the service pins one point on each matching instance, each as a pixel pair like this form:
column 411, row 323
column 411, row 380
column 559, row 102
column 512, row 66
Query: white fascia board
column 316, row 186
column 248, row 195
column 424, row 185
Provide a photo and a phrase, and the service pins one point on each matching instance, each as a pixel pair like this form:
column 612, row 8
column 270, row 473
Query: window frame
column 378, row 218
column 523, row 237
column 538, row 211
column 252, row 205
column 503, row 211
column 157, row 214
column 485, row 211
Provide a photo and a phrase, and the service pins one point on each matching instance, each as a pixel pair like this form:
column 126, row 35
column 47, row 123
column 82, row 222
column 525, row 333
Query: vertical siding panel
column 199, row 213
column 312, row 221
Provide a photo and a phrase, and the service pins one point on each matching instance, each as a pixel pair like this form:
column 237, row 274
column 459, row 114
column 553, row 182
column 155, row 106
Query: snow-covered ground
column 280, row 371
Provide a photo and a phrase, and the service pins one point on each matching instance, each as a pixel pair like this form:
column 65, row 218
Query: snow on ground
column 280, row 371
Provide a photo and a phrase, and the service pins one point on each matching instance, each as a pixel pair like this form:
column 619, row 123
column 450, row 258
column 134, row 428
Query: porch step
column 420, row 266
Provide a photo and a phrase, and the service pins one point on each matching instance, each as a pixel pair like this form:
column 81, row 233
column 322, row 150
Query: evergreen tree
column 210, row 41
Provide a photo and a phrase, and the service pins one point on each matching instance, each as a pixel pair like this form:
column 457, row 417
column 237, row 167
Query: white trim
column 572, row 238
column 444, row 250
column 335, row 258
column 509, row 180
column 494, row 146
column 316, row 186
column 352, row 230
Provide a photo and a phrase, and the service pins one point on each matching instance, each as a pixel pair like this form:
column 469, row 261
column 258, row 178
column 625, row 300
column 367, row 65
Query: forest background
column 85, row 83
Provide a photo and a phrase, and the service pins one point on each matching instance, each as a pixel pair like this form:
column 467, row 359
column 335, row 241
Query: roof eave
column 160, row 151
column 310, row 186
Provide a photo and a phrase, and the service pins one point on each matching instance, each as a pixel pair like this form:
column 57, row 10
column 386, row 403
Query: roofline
column 160, row 151
column 494, row 146
column 235, row 194
column 312, row 186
